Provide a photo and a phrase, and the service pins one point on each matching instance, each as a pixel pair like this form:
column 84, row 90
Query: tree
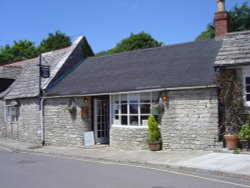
column 20, row 50
column 54, row 41
column 133, row 42
column 239, row 20
column 208, row 34
column 25, row 49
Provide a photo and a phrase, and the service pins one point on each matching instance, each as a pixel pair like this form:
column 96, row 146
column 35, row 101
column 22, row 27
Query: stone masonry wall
column 2, row 124
column 128, row 138
column 191, row 120
column 28, row 126
column 61, row 126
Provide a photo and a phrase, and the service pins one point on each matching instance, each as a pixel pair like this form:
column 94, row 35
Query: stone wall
column 28, row 126
column 2, row 124
column 128, row 138
column 63, row 127
column 191, row 120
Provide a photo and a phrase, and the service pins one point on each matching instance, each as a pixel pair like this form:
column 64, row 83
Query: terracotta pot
column 231, row 141
column 156, row 146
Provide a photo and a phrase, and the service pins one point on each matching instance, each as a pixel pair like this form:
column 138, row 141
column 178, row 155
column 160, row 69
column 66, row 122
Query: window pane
column 155, row 96
column 134, row 120
column 145, row 108
column 145, row 97
column 133, row 108
column 247, row 80
column 248, row 97
column 144, row 120
column 124, row 120
column 123, row 98
column 248, row 89
column 133, row 98
column 124, row 109
column 115, row 99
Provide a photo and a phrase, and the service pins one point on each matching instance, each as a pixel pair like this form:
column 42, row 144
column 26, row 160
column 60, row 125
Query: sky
column 106, row 22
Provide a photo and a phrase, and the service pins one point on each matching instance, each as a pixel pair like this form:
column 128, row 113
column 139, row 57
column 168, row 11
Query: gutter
column 42, row 121
column 133, row 91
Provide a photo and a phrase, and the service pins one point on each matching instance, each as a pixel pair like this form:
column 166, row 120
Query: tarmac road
column 24, row 170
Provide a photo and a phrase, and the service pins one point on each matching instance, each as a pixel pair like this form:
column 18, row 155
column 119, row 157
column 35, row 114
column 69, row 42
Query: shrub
column 153, row 131
column 244, row 133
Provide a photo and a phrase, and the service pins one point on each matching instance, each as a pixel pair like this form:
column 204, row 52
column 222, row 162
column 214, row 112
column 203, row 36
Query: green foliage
column 239, row 20
column 207, row 34
column 20, row 50
column 236, row 151
column 153, row 130
column 25, row 49
column 54, row 41
column 133, row 42
column 244, row 133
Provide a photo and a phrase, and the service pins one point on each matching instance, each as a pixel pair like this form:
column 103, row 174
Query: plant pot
column 155, row 146
column 231, row 141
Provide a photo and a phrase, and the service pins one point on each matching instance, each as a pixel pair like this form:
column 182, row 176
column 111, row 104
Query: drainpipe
column 42, row 121
column 41, row 105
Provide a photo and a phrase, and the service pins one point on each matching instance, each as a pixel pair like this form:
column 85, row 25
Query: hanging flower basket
column 70, row 108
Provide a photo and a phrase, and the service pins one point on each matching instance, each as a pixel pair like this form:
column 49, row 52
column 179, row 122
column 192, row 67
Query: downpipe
column 42, row 121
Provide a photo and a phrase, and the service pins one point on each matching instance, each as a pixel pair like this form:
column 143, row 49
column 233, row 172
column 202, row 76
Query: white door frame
column 101, row 125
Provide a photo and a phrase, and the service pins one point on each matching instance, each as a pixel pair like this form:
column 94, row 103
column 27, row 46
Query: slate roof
column 235, row 50
column 10, row 72
column 27, row 82
column 182, row 65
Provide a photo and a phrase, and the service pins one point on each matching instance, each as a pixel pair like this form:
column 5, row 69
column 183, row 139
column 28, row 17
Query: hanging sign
column 45, row 71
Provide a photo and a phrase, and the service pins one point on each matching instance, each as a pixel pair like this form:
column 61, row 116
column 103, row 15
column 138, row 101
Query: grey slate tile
column 182, row 65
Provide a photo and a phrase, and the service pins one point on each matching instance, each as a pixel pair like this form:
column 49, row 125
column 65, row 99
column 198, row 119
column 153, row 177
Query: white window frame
column 245, row 74
column 128, row 114
column 12, row 114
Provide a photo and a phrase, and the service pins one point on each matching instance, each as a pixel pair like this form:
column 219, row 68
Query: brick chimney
column 221, row 20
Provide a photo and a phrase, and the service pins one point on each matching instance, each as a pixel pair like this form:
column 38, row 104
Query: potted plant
column 231, row 141
column 230, row 136
column 244, row 135
column 154, row 136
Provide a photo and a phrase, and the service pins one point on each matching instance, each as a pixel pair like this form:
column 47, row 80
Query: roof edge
column 63, row 60
column 132, row 91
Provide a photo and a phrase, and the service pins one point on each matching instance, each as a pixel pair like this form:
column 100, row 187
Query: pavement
column 223, row 163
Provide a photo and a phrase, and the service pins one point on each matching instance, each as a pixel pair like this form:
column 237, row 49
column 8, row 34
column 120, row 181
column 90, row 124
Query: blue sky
column 106, row 22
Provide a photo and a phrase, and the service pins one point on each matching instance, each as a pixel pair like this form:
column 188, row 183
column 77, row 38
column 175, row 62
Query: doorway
column 101, row 119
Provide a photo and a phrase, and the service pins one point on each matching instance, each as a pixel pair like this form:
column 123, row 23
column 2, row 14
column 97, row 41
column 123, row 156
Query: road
column 23, row 170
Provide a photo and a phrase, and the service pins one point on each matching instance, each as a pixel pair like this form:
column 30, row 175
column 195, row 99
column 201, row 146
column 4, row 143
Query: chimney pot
column 221, row 5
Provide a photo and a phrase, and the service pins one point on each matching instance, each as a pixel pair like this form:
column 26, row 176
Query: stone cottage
column 233, row 63
column 115, row 95
column 21, row 100
column 112, row 96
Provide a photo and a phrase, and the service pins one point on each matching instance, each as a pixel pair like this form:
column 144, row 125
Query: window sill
column 130, row 127
column 137, row 127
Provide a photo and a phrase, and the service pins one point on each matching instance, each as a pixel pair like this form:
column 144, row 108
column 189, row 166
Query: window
column 132, row 109
column 12, row 113
column 247, row 89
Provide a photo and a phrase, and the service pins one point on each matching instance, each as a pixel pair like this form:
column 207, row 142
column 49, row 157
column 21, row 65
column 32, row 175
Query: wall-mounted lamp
column 165, row 98
column 85, row 100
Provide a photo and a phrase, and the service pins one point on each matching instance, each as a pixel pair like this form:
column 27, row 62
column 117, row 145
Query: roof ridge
column 44, row 53
column 152, row 48
column 238, row 32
